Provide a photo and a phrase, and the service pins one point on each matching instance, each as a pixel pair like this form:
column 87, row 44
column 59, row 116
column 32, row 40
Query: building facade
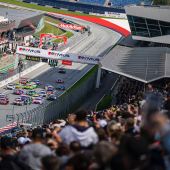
column 149, row 23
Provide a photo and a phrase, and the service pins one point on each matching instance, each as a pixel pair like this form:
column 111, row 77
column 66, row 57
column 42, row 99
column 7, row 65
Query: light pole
column 13, row 114
column 20, row 67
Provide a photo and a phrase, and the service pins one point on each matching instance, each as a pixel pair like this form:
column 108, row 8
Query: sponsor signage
column 70, row 26
column 67, row 62
column 111, row 14
column 57, row 55
column 33, row 58
column 116, row 15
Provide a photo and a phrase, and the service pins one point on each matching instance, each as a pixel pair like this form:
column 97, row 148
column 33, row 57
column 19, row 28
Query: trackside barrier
column 68, row 101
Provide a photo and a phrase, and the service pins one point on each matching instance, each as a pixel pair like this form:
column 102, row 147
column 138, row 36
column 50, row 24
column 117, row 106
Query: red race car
column 23, row 80
column 4, row 101
column 18, row 92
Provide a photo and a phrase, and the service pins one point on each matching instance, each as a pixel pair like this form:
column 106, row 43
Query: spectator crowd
column 134, row 134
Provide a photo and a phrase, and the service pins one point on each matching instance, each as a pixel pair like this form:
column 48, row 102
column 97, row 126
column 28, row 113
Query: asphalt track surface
column 94, row 45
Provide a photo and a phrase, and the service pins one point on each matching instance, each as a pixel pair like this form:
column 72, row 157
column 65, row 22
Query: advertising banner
column 51, row 54
column 67, row 62
column 116, row 15
column 70, row 26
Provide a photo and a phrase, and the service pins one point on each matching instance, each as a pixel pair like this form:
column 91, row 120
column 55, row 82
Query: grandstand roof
column 18, row 14
column 145, row 64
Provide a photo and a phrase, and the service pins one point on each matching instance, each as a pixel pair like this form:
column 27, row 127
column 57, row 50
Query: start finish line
column 51, row 54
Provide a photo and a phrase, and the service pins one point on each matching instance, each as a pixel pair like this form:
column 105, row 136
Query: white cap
column 23, row 141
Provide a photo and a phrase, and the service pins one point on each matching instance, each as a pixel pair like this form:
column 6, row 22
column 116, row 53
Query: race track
column 94, row 45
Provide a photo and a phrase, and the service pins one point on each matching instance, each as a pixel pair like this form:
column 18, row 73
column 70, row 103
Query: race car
column 60, row 81
column 52, row 97
column 27, row 99
column 18, row 101
column 31, row 92
column 46, row 86
column 18, row 91
column 18, row 86
column 38, row 100
column 3, row 95
column 42, row 93
column 37, row 82
column 30, row 86
column 49, row 87
column 4, row 101
column 61, row 87
column 10, row 86
column 62, row 70
column 23, row 80
column 50, row 91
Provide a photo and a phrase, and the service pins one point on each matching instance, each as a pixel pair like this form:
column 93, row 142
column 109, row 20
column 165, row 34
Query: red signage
column 70, row 26
column 67, row 62
column 63, row 37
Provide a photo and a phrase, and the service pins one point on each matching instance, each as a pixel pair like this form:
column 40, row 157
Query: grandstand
column 122, row 3
column 98, row 2
column 110, row 3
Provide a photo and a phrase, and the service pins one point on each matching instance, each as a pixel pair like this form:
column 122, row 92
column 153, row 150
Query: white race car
column 10, row 86
column 38, row 100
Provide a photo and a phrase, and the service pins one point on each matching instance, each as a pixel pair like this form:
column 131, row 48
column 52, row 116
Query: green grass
column 69, row 34
column 49, row 19
column 104, row 103
column 47, row 9
column 48, row 28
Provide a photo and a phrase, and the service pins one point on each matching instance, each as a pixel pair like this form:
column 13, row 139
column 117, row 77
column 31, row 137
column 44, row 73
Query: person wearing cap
column 9, row 157
column 23, row 141
column 32, row 153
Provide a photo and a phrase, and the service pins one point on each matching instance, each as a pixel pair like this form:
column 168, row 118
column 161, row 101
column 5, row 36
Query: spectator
column 80, row 131
column 31, row 154
column 167, row 103
column 50, row 163
column 103, row 152
column 132, row 135
column 9, row 157
column 78, row 162
column 75, row 147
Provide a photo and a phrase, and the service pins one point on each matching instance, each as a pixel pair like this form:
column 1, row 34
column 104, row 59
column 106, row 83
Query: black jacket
column 12, row 163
